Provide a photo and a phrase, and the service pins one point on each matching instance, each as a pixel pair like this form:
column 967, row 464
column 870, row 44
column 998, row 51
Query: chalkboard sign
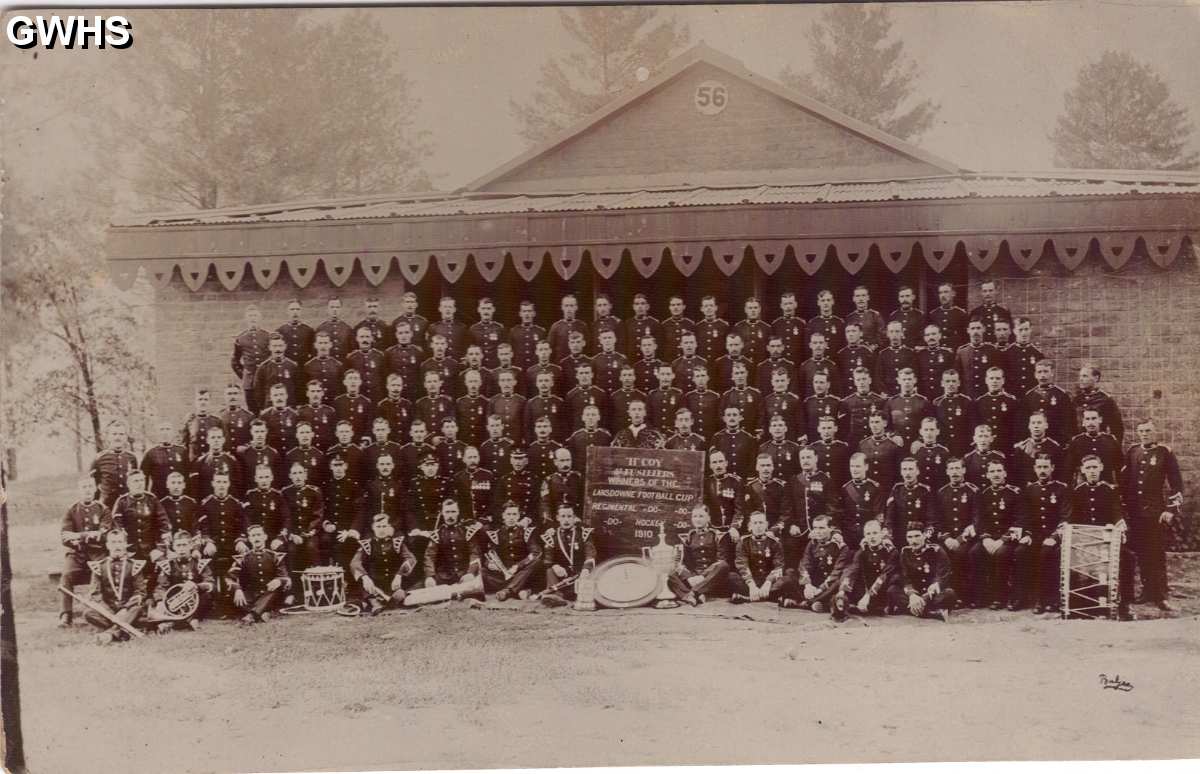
column 629, row 492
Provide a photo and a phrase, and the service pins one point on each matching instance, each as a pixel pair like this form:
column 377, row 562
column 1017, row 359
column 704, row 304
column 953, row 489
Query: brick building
column 710, row 179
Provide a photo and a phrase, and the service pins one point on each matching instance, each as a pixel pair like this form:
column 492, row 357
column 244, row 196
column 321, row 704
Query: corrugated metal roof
column 955, row 187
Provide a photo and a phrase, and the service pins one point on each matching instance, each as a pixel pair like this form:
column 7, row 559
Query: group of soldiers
column 416, row 453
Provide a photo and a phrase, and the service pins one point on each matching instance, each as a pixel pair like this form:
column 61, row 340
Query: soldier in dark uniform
column 619, row 399
column 811, row 493
column 418, row 324
column 738, row 446
column 1023, row 358
column 1151, row 471
column 182, row 511
column 222, row 525
column 380, row 564
column 1053, row 401
column 568, row 553
column 341, row 335
column 354, row 407
column 982, row 453
column 775, row 361
column 923, row 586
column 280, row 421
column 1090, row 396
column 348, row 450
column 544, row 366
column 518, row 486
column 324, row 368
column 998, row 523
column 81, row 534
column 711, row 331
column 591, row 434
column 637, row 434
column 573, row 361
column 767, row 493
column 1098, row 503
column 487, row 333
column 541, row 452
column 870, row 323
column 181, row 565
column 865, row 587
column 754, row 331
column 673, row 329
column 440, row 363
column 724, row 496
column 250, row 349
column 1025, row 452
column 562, row 329
column 275, row 369
column 299, row 517
column 857, row 407
column 164, row 459
column 449, row 449
column 825, row 558
column 371, row 365
column 111, row 467
column 853, row 356
column 397, row 410
column 404, row 359
column 474, row 488
column 746, row 399
column 322, row 516
column 907, row 409
column 645, row 367
column 471, row 410
column 999, row 410
column 119, row 587
column 510, row 408
column 453, row 552
column 932, row 361
column 862, row 501
column 200, row 480
column 687, row 362
column 702, row 568
column 494, row 452
column 664, row 401
column 381, row 444
column 883, row 453
column 790, row 327
column 426, row 493
column 779, row 402
column 974, row 359
column 604, row 320
column 266, row 505
column 258, row 578
column 257, row 453
column 705, row 404
column 833, row 455
column 734, row 356
column 955, row 415
column 819, row 363
column 911, row 319
column 1037, row 552
column 951, row 319
column 784, row 454
column 564, row 485
column 759, row 564
column 512, row 557
column 608, row 362
column 296, row 334
column 988, row 312
column 893, row 359
column 436, row 406
column 524, row 336
column 235, row 419
column 491, row 379
column 957, row 512
column 827, row 323
column 1096, row 442
column 931, row 456
column 454, row 332
column 909, row 500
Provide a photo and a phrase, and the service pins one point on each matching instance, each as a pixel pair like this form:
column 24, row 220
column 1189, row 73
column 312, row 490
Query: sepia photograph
column 393, row 388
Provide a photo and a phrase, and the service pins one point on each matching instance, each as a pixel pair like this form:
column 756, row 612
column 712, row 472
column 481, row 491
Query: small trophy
column 664, row 558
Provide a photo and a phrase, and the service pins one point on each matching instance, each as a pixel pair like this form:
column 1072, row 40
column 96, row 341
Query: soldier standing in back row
column 111, row 467
column 988, row 312
column 297, row 335
column 250, row 349
column 951, row 319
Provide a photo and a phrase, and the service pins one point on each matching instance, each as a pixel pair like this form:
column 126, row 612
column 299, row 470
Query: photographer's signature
column 1115, row 683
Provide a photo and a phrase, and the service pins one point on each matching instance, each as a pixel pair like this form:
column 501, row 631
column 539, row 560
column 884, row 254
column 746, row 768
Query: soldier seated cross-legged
column 702, row 568
column 380, row 565
column 759, row 564
column 924, row 574
column 182, row 565
column 826, row 558
column 568, row 553
column 258, row 578
column 866, row 583
column 118, row 592
column 513, row 556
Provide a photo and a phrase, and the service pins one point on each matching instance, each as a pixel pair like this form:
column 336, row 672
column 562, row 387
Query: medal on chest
column 1053, row 499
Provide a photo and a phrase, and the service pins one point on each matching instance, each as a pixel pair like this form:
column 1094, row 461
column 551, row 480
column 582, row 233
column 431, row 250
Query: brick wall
column 1142, row 328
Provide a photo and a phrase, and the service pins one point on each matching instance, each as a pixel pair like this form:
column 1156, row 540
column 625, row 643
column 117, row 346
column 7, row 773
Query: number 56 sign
column 711, row 97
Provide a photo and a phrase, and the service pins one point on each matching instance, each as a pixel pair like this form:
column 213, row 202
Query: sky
column 999, row 71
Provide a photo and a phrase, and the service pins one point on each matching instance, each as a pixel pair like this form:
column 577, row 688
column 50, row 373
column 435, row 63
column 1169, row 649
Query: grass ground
column 517, row 685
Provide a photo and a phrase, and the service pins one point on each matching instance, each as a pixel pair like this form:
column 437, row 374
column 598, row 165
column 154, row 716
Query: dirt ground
column 515, row 685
